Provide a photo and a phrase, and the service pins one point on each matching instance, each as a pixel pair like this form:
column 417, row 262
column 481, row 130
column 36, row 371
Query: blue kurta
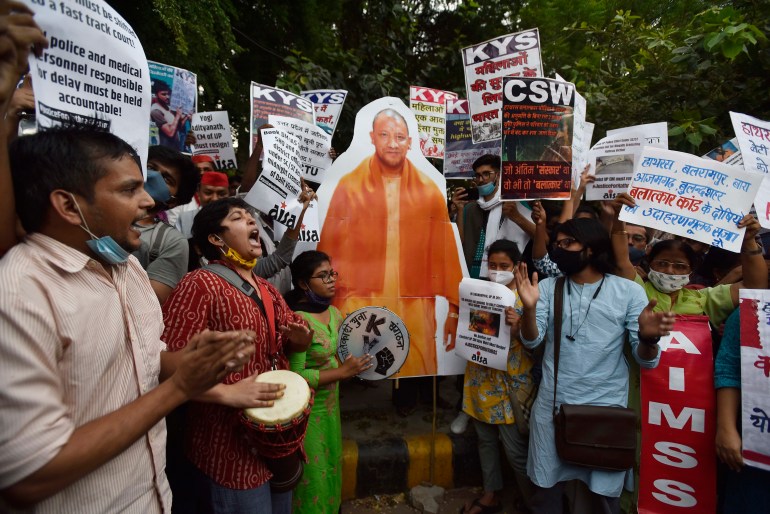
column 592, row 369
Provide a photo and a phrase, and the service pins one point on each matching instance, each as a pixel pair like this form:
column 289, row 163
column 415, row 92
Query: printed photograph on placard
column 484, row 322
column 615, row 164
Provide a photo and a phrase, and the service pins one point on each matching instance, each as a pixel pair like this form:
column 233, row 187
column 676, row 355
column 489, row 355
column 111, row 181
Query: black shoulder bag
column 590, row 435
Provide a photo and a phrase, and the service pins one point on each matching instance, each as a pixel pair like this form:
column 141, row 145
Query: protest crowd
column 147, row 290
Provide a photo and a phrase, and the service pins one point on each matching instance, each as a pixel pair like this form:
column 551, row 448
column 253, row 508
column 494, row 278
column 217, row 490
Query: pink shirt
column 76, row 343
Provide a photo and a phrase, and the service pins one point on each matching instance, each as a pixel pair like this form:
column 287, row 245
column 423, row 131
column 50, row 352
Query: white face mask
column 501, row 277
column 666, row 283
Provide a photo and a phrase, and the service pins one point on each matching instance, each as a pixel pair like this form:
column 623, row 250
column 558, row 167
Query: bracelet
column 755, row 251
column 453, row 315
column 620, row 232
column 651, row 341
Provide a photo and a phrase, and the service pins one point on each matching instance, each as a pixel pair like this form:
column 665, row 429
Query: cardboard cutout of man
column 388, row 232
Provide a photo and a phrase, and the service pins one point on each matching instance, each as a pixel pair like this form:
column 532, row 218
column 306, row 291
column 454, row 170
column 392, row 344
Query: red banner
column 678, row 457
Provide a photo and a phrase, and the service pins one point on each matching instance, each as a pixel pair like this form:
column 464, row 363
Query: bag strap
column 156, row 240
column 265, row 303
column 558, row 310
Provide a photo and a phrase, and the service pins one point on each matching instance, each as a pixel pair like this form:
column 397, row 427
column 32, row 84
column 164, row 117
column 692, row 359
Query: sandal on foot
column 485, row 509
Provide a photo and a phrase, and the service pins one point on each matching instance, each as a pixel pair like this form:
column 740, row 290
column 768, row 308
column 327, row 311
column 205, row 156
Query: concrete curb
column 396, row 464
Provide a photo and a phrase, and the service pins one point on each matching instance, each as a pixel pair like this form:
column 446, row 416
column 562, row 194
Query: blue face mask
column 106, row 248
column 156, row 187
column 635, row 254
column 487, row 189
column 314, row 298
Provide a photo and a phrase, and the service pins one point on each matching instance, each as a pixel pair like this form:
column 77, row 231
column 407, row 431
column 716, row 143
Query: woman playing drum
column 320, row 488
column 229, row 476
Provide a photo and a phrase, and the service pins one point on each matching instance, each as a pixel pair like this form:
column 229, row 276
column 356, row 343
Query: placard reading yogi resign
column 93, row 72
column 266, row 100
column 328, row 107
column 513, row 55
column 429, row 108
column 213, row 138
column 460, row 151
column 691, row 197
column 537, row 138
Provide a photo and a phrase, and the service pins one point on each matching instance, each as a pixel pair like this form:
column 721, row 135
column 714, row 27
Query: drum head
column 378, row 332
column 295, row 398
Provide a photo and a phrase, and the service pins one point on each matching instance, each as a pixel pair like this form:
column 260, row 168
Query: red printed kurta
column 215, row 439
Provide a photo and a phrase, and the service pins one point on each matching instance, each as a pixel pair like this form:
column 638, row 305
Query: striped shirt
column 78, row 340
column 216, row 442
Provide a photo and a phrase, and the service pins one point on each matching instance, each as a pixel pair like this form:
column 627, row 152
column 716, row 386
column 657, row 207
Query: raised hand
column 655, row 324
column 538, row 214
column 527, row 289
column 18, row 35
column 752, row 226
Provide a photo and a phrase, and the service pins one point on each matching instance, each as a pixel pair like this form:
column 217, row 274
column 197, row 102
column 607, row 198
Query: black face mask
column 569, row 262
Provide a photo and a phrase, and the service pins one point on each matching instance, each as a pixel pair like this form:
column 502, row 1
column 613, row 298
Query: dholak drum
column 278, row 432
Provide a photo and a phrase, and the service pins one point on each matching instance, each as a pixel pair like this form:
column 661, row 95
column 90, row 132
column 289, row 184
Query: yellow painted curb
column 419, row 461
column 349, row 468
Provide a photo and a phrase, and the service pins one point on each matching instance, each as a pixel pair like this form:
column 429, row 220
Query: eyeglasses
column 328, row 276
column 484, row 175
column 681, row 268
column 564, row 243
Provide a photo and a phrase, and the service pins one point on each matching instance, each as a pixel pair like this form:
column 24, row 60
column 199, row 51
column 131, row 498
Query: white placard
column 278, row 186
column 429, row 108
column 614, row 157
column 754, row 140
column 93, row 72
column 328, row 107
column 213, row 138
column 483, row 336
column 267, row 100
column 512, row 55
column 314, row 145
column 755, row 377
column 654, row 134
column 691, row 197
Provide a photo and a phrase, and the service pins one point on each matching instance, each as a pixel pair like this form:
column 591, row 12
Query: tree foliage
column 687, row 62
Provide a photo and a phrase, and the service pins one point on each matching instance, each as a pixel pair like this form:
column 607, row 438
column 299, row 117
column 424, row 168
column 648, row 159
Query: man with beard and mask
column 483, row 222
column 600, row 312
column 171, row 180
